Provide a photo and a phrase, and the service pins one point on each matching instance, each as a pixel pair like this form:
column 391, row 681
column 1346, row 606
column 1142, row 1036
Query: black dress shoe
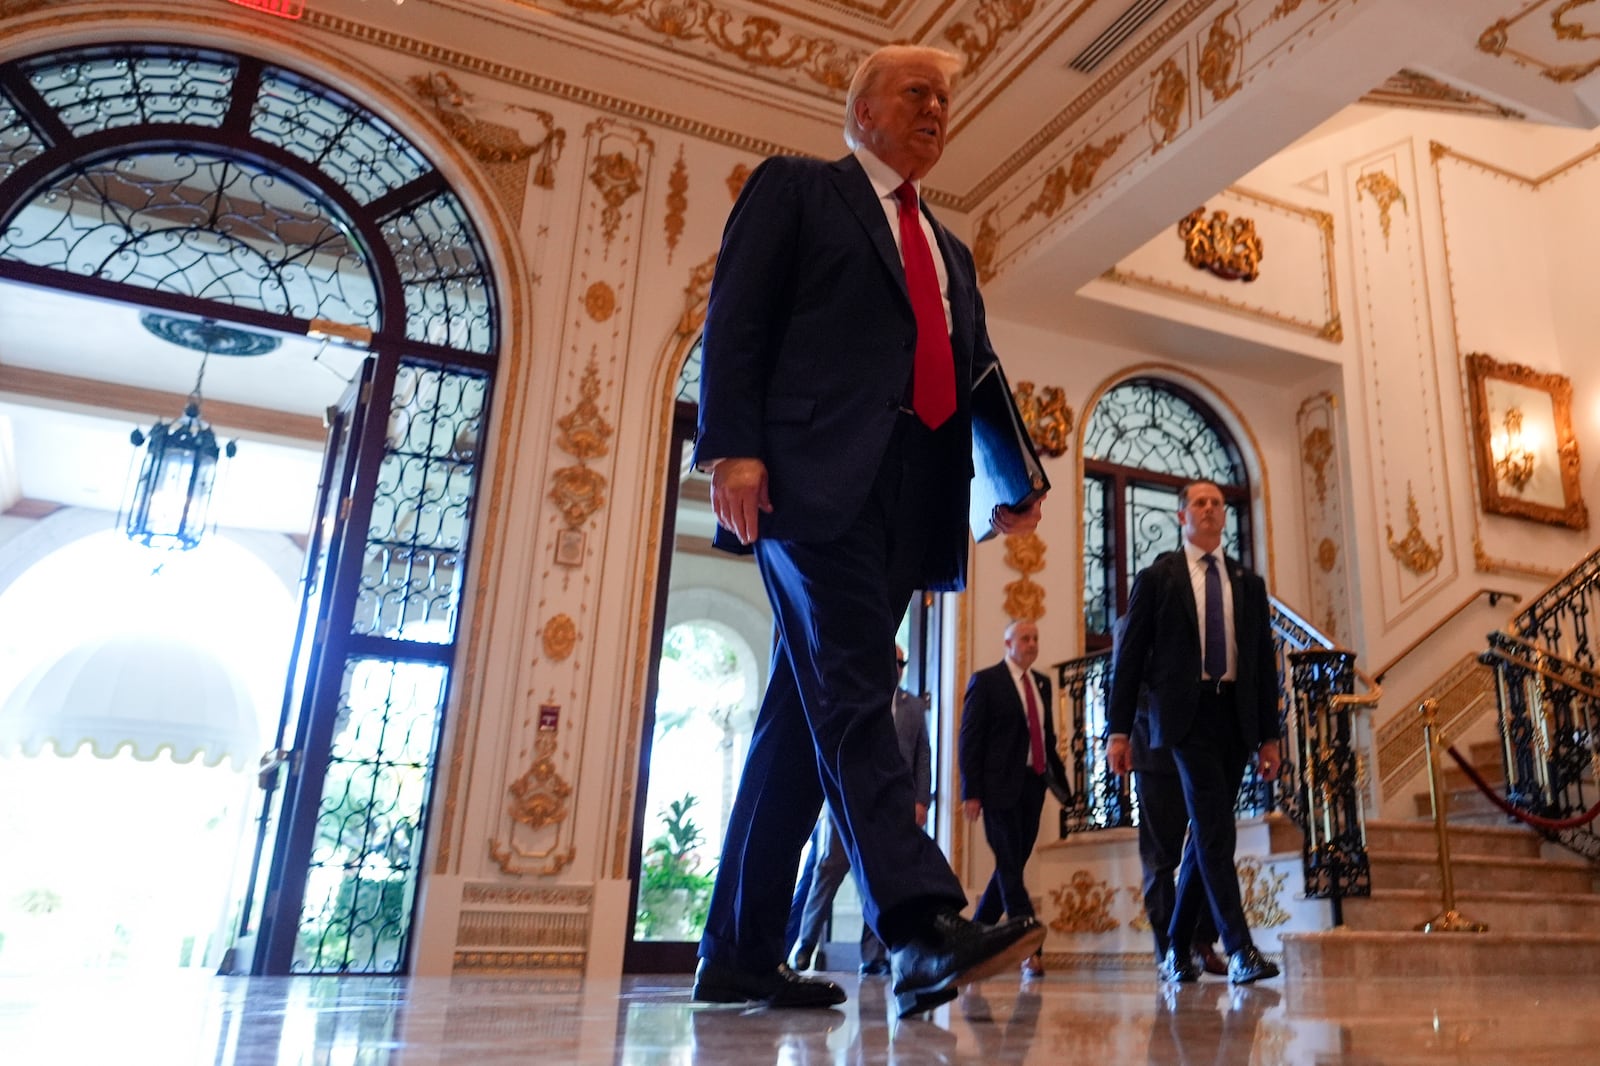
column 1178, row 967
column 951, row 951
column 1248, row 965
column 716, row 982
column 1208, row 960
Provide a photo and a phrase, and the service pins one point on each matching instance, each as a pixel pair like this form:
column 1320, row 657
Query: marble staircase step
column 1402, row 910
column 1480, row 874
column 1390, row 836
column 1350, row 953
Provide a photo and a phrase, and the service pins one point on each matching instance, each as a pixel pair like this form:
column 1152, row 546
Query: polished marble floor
column 1065, row 1019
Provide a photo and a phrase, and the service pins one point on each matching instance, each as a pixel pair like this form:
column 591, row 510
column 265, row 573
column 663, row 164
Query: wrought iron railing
column 1317, row 787
column 1550, row 732
column 1559, row 619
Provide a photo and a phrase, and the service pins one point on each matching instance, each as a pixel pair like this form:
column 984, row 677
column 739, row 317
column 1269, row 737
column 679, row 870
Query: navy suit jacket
column 994, row 737
column 808, row 351
column 1157, row 655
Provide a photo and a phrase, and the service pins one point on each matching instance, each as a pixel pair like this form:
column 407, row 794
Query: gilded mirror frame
column 1523, row 444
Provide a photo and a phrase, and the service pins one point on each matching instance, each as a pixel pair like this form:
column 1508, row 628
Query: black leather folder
column 1005, row 469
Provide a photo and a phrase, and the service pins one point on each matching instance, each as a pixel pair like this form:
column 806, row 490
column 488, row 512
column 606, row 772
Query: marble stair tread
column 1349, row 953
column 1479, row 873
column 1387, row 836
column 1402, row 909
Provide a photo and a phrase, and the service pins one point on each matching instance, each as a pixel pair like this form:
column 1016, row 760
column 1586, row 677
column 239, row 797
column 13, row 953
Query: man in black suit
column 1194, row 659
column 1007, row 749
column 843, row 336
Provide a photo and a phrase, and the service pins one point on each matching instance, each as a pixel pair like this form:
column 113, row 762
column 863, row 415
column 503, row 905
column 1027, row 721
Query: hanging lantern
column 171, row 500
column 169, row 503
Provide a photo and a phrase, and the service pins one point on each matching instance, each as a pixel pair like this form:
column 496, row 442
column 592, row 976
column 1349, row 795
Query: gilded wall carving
column 996, row 19
column 1024, row 598
column 1220, row 56
column 1546, row 45
column 677, row 203
column 1261, row 889
column 507, row 159
column 1322, row 499
column 1413, row 550
column 1047, row 416
column 617, row 176
column 559, row 636
column 1083, row 905
column 1168, row 99
column 1227, row 247
column 1385, row 193
column 539, row 796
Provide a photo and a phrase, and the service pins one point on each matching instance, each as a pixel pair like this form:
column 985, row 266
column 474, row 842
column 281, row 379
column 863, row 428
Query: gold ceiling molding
column 996, row 19
column 1413, row 89
column 1385, row 193
column 487, row 142
column 1220, row 60
column 1413, row 550
column 756, row 40
column 1329, row 329
column 1496, row 40
column 1168, row 98
column 1083, row 905
column 1227, row 247
column 677, row 203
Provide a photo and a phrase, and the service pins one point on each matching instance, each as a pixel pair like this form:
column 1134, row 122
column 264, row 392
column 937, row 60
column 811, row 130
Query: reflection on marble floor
column 644, row 1021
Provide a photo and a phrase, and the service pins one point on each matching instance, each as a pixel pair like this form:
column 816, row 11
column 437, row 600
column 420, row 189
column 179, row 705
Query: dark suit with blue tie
column 807, row 364
column 1210, row 730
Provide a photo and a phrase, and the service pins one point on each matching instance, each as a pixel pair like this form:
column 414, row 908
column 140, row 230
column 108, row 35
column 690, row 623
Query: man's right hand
column 972, row 809
column 739, row 496
column 1119, row 754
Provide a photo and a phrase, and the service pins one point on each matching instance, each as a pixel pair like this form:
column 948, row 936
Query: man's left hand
column 922, row 815
column 1010, row 522
column 1267, row 760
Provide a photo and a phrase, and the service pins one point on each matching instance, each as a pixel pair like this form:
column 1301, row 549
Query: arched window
column 1145, row 440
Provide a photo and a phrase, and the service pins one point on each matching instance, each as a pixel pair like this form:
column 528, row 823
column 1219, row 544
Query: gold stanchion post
column 1449, row 920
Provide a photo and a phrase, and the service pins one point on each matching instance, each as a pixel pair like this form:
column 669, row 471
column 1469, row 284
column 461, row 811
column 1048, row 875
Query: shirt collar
column 885, row 179
column 1196, row 556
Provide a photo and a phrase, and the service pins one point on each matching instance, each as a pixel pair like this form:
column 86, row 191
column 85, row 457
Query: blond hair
column 885, row 59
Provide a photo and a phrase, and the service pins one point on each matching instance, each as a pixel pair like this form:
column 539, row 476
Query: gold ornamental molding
column 559, row 636
column 1261, row 890
column 600, row 301
column 1024, row 598
column 501, row 149
column 1413, row 89
column 1047, row 416
column 677, row 203
column 1168, row 99
column 520, row 961
column 1560, row 46
column 579, row 491
column 1316, row 449
column 539, row 796
column 1413, row 550
column 1329, row 328
column 617, row 176
column 1140, row 922
column 1083, row 905
column 1220, row 57
column 1385, row 192
column 757, row 41
column 995, row 20
column 504, row 895
column 1227, row 247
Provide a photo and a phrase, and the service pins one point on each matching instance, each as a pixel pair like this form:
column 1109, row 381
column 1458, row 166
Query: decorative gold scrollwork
column 1168, row 98
column 1088, row 160
column 559, row 636
column 486, row 141
column 1228, row 248
column 600, row 301
column 1219, row 57
column 1315, row 451
column 1260, row 889
column 617, row 178
column 1382, row 188
column 996, row 19
column 539, row 796
column 677, row 203
column 1083, row 906
column 1024, row 598
column 1047, row 416
column 1413, row 550
column 583, row 432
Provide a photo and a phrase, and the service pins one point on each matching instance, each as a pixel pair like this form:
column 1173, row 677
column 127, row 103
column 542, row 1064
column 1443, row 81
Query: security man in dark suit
column 843, row 335
column 1194, row 658
column 1007, row 754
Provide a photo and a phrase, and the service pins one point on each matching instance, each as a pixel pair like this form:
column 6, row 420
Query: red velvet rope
column 1551, row 824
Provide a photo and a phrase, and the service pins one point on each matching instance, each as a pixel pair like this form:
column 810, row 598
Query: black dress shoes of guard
column 1208, row 960
column 930, row 968
column 716, row 982
column 1247, row 965
column 1178, row 967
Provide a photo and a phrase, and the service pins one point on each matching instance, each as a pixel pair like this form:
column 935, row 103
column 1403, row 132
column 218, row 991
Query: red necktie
column 933, row 377
column 1035, row 727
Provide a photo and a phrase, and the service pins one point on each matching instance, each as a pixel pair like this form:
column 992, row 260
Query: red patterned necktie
column 933, row 377
column 1035, row 728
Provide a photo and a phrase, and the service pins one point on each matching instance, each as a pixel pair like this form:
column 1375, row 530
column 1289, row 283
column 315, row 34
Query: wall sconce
column 1514, row 463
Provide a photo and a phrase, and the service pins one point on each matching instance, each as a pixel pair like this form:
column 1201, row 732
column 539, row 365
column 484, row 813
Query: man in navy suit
column 1008, row 754
column 1194, row 660
column 848, row 475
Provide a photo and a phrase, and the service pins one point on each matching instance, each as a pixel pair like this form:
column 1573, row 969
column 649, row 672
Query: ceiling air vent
column 1114, row 35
